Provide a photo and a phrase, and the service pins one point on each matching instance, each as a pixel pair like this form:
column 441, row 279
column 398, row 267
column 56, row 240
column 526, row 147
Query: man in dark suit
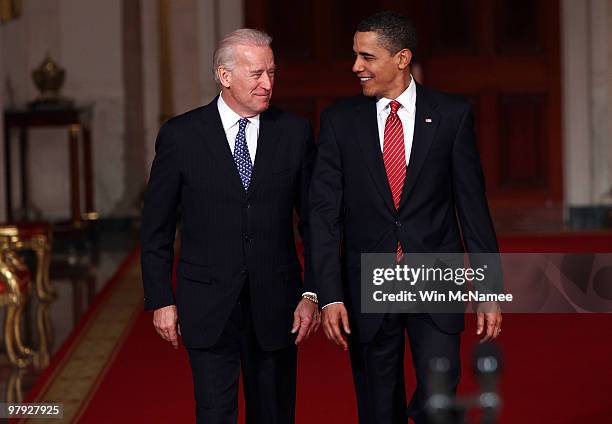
column 397, row 171
column 237, row 169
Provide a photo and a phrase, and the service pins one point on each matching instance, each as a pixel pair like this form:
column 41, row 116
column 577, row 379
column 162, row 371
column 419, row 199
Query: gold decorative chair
column 38, row 237
column 15, row 287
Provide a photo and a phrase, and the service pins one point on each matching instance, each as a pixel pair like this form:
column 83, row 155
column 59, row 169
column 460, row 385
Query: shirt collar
column 229, row 118
column 407, row 99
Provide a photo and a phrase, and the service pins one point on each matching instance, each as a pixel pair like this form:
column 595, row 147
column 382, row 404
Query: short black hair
column 395, row 31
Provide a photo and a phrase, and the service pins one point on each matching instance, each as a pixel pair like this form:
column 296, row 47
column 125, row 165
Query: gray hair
column 225, row 53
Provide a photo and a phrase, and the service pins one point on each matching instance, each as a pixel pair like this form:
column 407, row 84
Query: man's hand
column 488, row 313
column 334, row 316
column 165, row 323
column 306, row 319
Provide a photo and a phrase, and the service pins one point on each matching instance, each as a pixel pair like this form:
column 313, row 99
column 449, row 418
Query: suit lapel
column 211, row 131
column 427, row 120
column 266, row 147
column 366, row 127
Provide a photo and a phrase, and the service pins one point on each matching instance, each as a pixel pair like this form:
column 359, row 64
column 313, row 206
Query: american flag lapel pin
column 428, row 120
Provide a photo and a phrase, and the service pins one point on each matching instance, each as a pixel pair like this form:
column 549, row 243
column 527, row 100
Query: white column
column 231, row 15
column 609, row 118
column 215, row 19
column 150, row 65
column 600, row 76
column 576, row 107
column 586, row 48
column 195, row 26
column 208, row 36
column 183, row 49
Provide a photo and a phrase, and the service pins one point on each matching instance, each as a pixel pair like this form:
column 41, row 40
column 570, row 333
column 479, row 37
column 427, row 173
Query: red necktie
column 394, row 156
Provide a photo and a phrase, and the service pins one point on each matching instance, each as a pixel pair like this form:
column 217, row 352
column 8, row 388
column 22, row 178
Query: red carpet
column 557, row 368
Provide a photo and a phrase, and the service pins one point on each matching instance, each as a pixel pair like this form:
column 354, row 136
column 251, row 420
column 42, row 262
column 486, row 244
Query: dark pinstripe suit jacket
column 227, row 235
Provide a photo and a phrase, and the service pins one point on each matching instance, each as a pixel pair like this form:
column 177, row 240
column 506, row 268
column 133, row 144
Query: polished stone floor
column 82, row 262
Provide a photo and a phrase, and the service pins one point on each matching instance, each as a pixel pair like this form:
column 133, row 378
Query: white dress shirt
column 406, row 114
column 229, row 120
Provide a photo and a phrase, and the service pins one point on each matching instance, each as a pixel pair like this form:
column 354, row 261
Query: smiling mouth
column 365, row 79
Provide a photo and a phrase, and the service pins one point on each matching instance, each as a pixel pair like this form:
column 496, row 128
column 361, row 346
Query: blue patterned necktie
column 242, row 158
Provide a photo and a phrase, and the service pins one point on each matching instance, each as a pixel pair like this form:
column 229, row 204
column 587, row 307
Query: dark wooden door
column 503, row 55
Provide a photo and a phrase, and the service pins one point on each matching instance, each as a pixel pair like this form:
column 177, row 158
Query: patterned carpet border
column 80, row 365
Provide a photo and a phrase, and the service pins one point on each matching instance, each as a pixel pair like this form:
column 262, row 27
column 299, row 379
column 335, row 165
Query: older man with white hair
column 237, row 169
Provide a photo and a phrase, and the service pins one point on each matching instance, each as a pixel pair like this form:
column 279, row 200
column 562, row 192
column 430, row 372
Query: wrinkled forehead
column 254, row 56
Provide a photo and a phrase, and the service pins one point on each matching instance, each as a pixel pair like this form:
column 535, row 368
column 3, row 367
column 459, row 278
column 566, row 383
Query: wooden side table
column 78, row 122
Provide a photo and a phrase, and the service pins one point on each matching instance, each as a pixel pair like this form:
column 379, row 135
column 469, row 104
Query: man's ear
column 225, row 76
column 404, row 57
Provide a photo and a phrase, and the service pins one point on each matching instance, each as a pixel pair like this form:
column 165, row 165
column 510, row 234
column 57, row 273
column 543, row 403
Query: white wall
column 91, row 49
column 27, row 40
column 84, row 37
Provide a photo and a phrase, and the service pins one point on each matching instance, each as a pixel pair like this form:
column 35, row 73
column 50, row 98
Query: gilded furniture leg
column 42, row 355
column 19, row 345
column 14, row 391
column 41, row 247
column 14, row 348
column 46, row 266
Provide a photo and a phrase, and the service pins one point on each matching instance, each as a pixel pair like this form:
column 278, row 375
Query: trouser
column 378, row 368
column 269, row 377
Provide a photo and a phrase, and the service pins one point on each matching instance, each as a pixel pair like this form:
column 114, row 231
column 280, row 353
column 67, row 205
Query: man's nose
column 357, row 65
column 265, row 81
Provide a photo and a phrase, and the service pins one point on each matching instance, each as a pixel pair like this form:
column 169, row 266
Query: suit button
column 248, row 239
column 398, row 223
